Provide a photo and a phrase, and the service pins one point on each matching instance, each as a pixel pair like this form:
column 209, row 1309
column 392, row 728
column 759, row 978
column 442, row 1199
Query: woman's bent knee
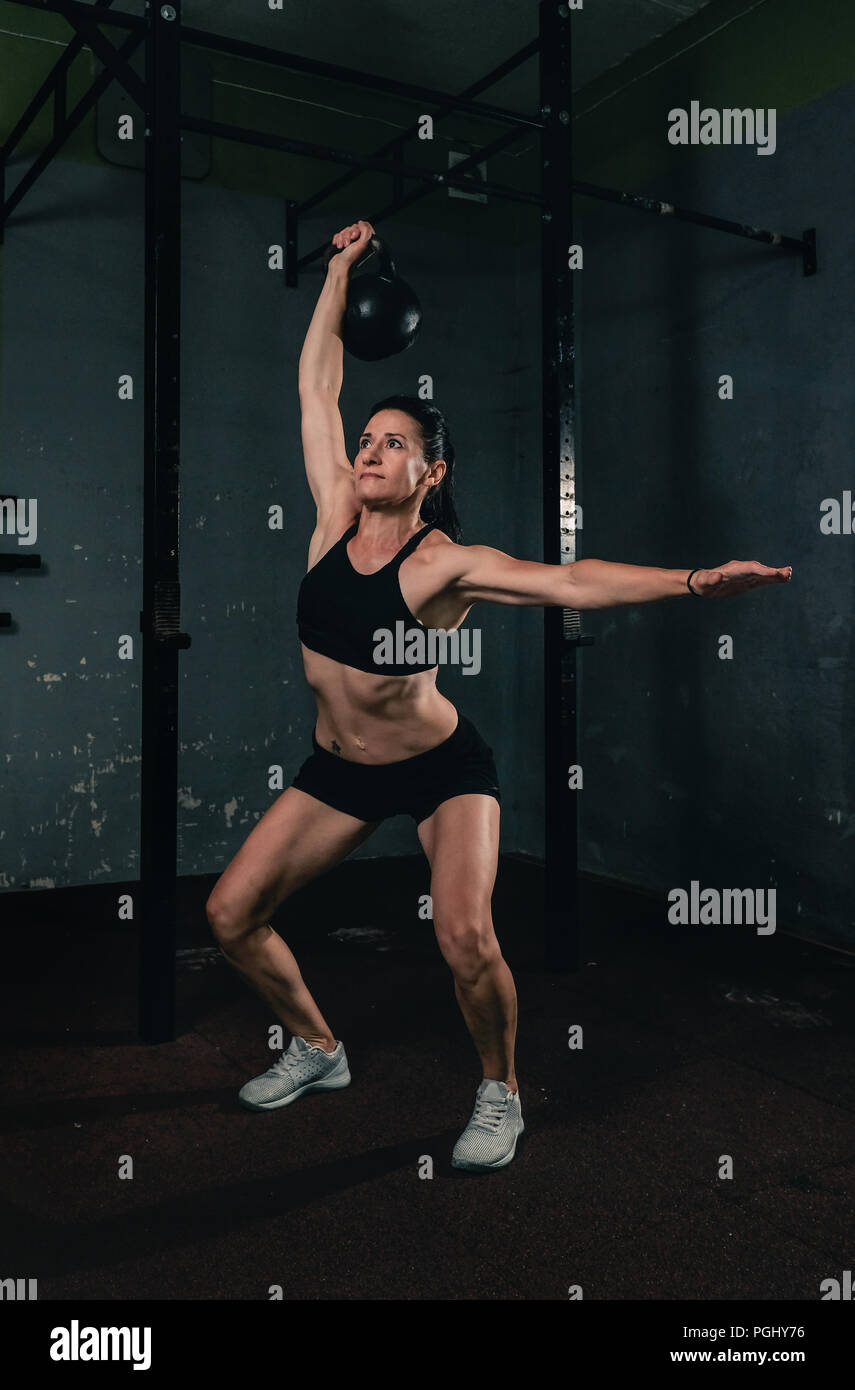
column 234, row 914
column 469, row 949
column 231, row 925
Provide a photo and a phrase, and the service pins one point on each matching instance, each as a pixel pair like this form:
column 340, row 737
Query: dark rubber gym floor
column 698, row 1043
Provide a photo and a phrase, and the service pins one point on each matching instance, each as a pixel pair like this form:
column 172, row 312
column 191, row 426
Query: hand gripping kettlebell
column 383, row 313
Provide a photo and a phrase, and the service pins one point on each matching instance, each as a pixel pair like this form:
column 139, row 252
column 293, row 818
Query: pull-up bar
column 805, row 244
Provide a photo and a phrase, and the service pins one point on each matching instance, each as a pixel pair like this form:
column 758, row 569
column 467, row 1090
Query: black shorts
column 411, row 787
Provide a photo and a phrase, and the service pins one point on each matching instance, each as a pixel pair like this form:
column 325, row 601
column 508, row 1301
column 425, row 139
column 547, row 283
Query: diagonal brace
column 53, row 83
column 107, row 54
column 83, row 107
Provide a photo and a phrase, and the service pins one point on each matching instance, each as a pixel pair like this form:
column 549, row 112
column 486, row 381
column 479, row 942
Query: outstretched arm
column 328, row 469
column 493, row 576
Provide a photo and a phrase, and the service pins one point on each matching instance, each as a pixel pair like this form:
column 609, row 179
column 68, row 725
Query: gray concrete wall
column 736, row 773
column 72, row 323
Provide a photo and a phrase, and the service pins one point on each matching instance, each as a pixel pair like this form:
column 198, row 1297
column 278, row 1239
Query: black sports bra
column 362, row 620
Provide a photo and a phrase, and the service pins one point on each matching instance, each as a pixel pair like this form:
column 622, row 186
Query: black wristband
column 689, row 583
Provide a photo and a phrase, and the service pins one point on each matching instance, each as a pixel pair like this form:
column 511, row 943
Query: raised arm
column 328, row 469
column 491, row 575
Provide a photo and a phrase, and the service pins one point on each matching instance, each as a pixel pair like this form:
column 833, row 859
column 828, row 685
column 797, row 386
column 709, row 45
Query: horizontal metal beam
column 438, row 114
column 85, row 12
column 701, row 219
column 309, row 150
column 294, row 62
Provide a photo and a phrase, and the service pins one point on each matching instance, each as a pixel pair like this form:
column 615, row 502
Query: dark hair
column 438, row 503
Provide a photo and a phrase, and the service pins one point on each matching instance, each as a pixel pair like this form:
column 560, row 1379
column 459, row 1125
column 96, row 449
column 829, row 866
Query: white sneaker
column 490, row 1138
column 302, row 1068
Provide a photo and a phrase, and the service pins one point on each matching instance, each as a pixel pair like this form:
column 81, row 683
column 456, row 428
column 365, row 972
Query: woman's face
column 389, row 465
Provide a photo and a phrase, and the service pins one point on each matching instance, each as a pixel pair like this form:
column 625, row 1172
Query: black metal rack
column 159, row 97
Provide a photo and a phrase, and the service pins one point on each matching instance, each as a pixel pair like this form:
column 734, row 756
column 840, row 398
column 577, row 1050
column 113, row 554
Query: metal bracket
column 176, row 641
column 165, row 622
column 10, row 561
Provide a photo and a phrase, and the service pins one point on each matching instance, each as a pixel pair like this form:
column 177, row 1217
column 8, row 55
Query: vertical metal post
column 561, row 626
column 292, row 223
column 160, row 619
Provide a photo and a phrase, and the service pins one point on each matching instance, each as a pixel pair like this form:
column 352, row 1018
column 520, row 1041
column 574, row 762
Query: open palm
column 736, row 577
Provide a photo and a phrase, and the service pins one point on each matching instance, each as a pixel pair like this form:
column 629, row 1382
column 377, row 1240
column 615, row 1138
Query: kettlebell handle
column 376, row 247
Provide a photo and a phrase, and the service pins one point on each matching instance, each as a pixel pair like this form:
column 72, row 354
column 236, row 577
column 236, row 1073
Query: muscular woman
column 385, row 550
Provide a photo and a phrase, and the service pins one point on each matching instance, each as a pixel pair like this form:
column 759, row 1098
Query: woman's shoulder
column 440, row 553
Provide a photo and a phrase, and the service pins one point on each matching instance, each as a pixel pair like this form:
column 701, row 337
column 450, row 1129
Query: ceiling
column 444, row 44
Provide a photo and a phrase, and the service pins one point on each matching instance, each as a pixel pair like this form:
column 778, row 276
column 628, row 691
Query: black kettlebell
column 383, row 314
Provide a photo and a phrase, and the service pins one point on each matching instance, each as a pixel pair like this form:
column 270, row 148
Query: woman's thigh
column 297, row 839
column 461, row 841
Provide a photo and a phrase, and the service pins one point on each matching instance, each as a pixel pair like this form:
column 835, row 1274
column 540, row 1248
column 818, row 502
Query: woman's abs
column 376, row 719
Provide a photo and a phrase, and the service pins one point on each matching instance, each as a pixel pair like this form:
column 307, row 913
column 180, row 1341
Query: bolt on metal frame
column 159, row 95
